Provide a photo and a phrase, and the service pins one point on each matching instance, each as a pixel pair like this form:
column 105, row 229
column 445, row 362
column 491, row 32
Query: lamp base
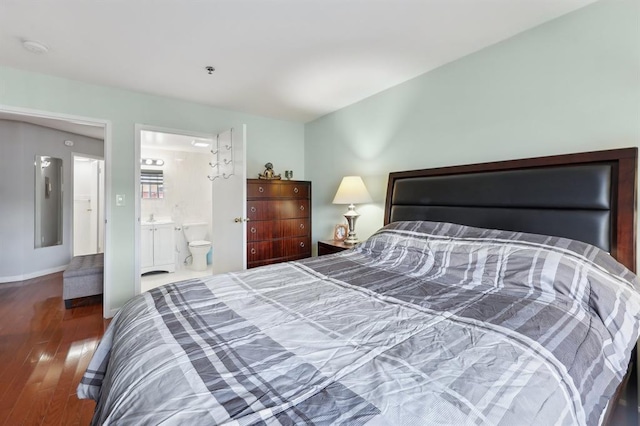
column 351, row 215
column 351, row 241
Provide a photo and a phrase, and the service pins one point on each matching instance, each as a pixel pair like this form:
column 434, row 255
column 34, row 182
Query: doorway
column 94, row 128
column 88, row 204
column 178, row 176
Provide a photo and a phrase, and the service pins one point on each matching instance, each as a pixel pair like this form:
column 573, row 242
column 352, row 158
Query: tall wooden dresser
column 279, row 226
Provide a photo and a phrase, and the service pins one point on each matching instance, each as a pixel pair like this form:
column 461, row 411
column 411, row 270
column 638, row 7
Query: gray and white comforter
column 424, row 323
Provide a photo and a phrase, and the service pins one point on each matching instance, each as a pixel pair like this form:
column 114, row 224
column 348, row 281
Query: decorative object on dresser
column 268, row 173
column 352, row 191
column 332, row 246
column 279, row 227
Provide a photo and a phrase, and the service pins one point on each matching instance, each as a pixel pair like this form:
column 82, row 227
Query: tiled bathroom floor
column 154, row 280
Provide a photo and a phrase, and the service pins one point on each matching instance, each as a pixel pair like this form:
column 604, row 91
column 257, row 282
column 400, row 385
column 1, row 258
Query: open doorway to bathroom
column 175, row 207
column 88, row 204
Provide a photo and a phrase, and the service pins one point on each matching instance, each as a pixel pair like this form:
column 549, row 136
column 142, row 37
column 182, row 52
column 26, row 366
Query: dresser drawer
column 261, row 210
column 295, row 227
column 294, row 190
column 262, row 190
column 295, row 246
column 263, row 230
column 289, row 209
column 259, row 251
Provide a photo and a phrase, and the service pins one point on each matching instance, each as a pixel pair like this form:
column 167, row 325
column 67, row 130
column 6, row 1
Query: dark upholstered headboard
column 589, row 197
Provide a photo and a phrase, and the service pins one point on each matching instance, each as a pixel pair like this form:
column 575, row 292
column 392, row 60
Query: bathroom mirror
column 151, row 184
column 48, row 201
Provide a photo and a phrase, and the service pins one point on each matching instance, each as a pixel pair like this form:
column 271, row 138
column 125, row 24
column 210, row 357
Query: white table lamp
column 352, row 191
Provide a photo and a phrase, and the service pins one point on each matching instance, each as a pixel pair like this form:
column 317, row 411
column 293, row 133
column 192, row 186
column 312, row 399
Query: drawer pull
column 301, row 244
column 296, row 190
column 302, row 226
column 301, row 208
column 253, row 230
column 253, row 251
column 260, row 189
column 253, row 209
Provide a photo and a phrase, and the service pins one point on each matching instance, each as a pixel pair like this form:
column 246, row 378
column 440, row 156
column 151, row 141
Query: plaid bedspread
column 424, row 323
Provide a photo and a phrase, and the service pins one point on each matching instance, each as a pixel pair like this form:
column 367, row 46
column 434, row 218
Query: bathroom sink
column 157, row 222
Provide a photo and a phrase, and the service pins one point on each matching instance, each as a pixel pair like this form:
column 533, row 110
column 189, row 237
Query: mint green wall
column 570, row 85
column 277, row 141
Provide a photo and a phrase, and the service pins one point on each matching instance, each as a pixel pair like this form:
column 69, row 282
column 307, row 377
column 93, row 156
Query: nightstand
column 332, row 246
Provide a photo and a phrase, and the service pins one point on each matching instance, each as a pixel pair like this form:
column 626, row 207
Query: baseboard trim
column 24, row 277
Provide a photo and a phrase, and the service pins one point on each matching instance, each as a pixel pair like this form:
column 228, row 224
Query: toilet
column 195, row 234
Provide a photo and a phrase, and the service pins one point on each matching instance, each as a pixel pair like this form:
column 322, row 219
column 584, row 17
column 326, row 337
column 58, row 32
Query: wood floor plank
column 71, row 413
column 39, row 403
column 65, row 386
column 19, row 376
column 44, row 350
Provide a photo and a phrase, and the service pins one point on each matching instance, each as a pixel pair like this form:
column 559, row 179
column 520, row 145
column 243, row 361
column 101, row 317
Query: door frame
column 73, row 192
column 107, row 311
column 138, row 203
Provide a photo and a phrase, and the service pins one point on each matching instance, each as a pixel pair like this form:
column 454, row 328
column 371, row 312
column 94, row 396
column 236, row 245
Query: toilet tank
column 195, row 231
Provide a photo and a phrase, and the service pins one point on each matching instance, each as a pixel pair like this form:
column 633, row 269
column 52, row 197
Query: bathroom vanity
column 157, row 242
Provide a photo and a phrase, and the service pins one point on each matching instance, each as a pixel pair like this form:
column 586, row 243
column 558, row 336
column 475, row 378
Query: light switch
column 119, row 200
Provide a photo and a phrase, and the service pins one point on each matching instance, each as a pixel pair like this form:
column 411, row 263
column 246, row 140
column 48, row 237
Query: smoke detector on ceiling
column 35, row 47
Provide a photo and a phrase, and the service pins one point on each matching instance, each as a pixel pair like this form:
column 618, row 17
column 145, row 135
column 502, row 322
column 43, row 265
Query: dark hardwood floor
column 44, row 350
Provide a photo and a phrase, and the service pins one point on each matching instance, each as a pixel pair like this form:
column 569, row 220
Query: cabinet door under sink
column 163, row 250
column 146, row 246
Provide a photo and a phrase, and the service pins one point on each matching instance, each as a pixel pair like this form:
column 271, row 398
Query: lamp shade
column 352, row 191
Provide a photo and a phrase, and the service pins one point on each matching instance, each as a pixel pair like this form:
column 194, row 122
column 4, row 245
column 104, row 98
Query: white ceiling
column 289, row 59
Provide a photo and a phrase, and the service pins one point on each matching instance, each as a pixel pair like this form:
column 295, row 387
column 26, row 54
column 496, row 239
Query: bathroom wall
column 19, row 144
column 187, row 192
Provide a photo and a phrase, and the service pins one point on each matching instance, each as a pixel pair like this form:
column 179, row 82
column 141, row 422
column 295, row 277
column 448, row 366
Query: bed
column 487, row 298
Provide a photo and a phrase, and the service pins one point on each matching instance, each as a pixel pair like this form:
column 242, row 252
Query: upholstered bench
column 83, row 278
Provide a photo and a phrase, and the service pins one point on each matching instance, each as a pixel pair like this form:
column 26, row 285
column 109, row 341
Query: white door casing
column 94, row 205
column 229, row 229
column 100, row 206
